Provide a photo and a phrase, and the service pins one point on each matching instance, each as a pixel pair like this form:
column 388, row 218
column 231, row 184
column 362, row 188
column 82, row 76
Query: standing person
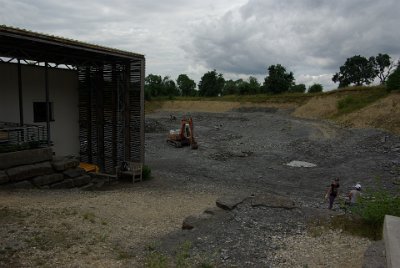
column 332, row 192
column 354, row 194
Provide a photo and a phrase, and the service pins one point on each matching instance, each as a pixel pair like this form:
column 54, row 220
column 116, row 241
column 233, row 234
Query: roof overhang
column 27, row 45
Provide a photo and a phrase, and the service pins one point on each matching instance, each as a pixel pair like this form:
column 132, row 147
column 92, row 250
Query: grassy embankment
column 357, row 98
column 349, row 99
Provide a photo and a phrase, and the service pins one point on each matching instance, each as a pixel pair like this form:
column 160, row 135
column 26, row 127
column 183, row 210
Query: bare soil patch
column 318, row 107
column 383, row 114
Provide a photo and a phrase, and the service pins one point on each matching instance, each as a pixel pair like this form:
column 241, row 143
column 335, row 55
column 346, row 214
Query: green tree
column 186, row 86
column 356, row 70
column 315, row 88
column 230, row 88
column 278, row 80
column 169, row 87
column 211, row 84
column 153, row 85
column 254, row 85
column 251, row 86
column 383, row 66
column 300, row 88
column 393, row 81
column 243, row 87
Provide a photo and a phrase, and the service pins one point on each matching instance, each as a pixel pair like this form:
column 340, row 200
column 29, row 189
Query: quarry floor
column 242, row 152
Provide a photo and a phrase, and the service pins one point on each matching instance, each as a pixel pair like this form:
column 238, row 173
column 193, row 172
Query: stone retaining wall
column 38, row 168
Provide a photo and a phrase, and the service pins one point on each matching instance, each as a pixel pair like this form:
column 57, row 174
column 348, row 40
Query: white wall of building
column 63, row 90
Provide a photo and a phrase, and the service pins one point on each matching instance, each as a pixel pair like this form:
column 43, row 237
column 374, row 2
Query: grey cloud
column 312, row 38
column 307, row 36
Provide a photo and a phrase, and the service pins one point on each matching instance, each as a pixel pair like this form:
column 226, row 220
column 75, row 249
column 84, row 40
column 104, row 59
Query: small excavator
column 183, row 136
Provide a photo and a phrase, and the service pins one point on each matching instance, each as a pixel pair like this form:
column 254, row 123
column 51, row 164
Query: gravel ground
column 245, row 152
column 242, row 152
column 72, row 228
column 249, row 150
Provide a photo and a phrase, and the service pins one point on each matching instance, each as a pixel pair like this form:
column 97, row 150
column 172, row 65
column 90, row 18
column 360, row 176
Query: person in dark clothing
column 332, row 192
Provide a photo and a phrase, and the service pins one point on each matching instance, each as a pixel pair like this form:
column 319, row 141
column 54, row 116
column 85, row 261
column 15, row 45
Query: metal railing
column 14, row 137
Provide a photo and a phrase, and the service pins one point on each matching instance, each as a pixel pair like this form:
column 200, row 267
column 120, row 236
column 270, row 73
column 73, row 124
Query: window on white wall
column 40, row 112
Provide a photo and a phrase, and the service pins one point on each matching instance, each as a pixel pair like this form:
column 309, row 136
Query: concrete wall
column 391, row 236
column 63, row 87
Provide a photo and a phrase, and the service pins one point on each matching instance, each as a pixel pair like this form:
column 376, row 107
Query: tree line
column 357, row 70
column 278, row 80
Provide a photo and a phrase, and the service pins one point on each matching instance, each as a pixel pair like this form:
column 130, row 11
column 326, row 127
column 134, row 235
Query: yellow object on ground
column 89, row 167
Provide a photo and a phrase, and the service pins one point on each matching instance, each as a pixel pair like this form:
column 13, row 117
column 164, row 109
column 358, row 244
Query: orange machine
column 89, row 167
column 183, row 136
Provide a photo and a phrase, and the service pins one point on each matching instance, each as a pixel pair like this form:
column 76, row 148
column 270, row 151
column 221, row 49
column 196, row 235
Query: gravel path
column 91, row 229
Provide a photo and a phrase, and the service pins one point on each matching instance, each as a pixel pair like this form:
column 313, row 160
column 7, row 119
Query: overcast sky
column 238, row 38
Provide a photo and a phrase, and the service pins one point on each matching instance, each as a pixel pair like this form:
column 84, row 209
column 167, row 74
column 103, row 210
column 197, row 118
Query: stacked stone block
column 38, row 169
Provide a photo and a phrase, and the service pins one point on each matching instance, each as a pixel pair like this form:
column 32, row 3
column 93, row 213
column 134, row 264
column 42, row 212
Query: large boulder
column 74, row 172
column 88, row 187
column 23, row 185
column 47, row 179
column 82, row 180
column 68, row 183
column 190, row 222
column 3, row 177
column 29, row 171
column 210, row 217
column 25, row 157
column 64, row 163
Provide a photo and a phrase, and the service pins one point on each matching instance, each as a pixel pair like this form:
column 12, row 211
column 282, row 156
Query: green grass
column 355, row 225
column 156, row 260
column 9, row 214
column 181, row 258
column 294, row 98
column 49, row 239
column 375, row 204
column 146, row 172
column 297, row 98
column 367, row 217
column 183, row 255
column 350, row 224
column 359, row 98
column 350, row 99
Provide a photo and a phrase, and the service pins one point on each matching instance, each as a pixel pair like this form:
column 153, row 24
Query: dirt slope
column 383, row 114
column 318, row 107
column 218, row 106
